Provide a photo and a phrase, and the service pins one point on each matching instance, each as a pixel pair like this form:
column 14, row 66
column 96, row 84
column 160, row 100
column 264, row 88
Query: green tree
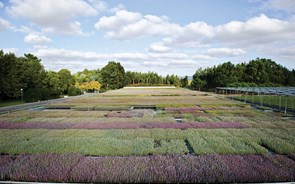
column 224, row 74
column 197, row 82
column 52, row 83
column 88, row 75
column 66, row 80
column 11, row 76
column 34, row 72
column 184, row 82
column 113, row 76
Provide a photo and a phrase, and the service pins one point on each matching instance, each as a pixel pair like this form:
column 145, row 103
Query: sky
column 163, row 36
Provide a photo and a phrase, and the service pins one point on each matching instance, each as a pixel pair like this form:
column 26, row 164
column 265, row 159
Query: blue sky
column 164, row 36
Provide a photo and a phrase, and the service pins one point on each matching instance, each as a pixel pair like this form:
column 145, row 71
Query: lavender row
column 155, row 169
column 115, row 125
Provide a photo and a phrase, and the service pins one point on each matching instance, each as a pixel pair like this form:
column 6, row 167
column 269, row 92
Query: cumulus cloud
column 55, row 59
column 225, row 52
column 120, row 19
column 261, row 29
column 257, row 30
column 157, row 47
column 4, row 24
column 35, row 38
column 126, row 25
column 54, row 15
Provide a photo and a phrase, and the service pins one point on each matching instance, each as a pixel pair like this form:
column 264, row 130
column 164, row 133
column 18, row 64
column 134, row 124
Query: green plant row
column 148, row 141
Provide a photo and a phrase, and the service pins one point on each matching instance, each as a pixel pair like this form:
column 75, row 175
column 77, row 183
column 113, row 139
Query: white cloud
column 26, row 29
column 35, row 38
column 257, row 30
column 117, row 21
column 126, row 25
column 1, row 5
column 98, row 5
column 118, row 8
column 285, row 5
column 56, row 59
column 11, row 50
column 53, row 15
column 157, row 47
column 202, row 57
column 4, row 24
column 225, row 52
column 195, row 34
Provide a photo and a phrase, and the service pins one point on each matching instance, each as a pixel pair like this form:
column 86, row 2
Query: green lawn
column 281, row 102
column 10, row 103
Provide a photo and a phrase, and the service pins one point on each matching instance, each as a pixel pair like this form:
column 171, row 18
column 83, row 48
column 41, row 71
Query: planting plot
column 147, row 135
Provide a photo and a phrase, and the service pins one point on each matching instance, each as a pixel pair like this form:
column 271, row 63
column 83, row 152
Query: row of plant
column 157, row 134
column 150, row 91
column 96, row 146
column 150, row 169
column 160, row 101
column 203, row 107
column 148, row 141
column 248, row 118
column 114, row 125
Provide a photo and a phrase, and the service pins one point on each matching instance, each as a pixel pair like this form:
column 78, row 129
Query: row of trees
column 151, row 78
column 258, row 72
column 26, row 76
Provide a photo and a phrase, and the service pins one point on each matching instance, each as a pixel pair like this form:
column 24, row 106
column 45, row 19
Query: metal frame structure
column 262, row 92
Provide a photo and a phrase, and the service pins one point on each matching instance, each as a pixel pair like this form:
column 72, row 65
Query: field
column 147, row 135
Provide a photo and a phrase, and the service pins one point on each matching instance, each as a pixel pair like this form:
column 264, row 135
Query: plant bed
column 147, row 169
column 118, row 125
column 111, row 108
column 59, row 107
column 152, row 107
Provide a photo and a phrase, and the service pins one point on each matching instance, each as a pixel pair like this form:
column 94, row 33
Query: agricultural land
column 147, row 135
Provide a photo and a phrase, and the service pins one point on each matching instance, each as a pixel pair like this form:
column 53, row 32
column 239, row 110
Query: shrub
column 33, row 95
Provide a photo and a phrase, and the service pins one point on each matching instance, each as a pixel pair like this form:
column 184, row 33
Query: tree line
column 26, row 77
column 258, row 72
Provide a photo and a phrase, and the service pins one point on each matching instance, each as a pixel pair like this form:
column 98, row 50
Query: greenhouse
column 275, row 98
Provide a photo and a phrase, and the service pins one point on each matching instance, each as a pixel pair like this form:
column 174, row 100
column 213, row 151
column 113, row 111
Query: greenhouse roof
column 285, row 91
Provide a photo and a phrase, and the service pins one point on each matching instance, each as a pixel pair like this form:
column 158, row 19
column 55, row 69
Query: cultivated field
column 147, row 135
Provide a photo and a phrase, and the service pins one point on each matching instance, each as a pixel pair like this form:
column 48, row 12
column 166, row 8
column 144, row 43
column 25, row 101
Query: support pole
column 293, row 104
column 280, row 102
column 285, row 104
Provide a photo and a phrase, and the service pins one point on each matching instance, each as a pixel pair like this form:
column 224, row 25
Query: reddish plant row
column 169, row 169
column 115, row 125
